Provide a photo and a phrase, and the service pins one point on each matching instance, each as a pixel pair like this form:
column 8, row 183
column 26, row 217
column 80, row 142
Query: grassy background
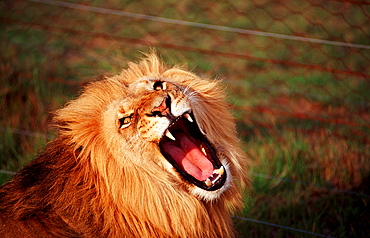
column 302, row 108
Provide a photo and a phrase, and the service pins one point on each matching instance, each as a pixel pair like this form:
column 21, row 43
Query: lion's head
column 159, row 118
column 159, row 136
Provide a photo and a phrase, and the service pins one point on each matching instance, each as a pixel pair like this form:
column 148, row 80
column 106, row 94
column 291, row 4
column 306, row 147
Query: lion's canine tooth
column 164, row 85
column 169, row 135
column 187, row 116
column 208, row 182
column 219, row 171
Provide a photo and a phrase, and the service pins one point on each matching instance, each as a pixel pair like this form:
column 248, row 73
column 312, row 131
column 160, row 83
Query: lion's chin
column 211, row 195
column 194, row 158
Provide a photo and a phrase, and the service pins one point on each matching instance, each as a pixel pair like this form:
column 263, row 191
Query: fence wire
column 298, row 72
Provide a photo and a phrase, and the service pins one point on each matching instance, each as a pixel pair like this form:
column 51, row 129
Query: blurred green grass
column 43, row 68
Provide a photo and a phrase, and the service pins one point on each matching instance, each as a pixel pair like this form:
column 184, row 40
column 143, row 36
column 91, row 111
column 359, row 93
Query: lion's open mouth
column 192, row 155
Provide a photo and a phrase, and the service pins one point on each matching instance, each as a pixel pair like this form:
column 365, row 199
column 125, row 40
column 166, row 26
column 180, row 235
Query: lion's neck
column 65, row 193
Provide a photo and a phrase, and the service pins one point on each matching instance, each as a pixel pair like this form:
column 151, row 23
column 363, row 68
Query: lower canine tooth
column 169, row 135
column 208, row 182
column 219, row 171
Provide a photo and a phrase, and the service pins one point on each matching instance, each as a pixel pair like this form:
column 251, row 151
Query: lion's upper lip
column 164, row 109
column 192, row 155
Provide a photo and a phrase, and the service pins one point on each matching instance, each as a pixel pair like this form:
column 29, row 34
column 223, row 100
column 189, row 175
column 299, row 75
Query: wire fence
column 298, row 67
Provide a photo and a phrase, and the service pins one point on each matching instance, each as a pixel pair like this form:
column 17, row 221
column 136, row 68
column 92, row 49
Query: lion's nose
column 160, row 85
column 164, row 109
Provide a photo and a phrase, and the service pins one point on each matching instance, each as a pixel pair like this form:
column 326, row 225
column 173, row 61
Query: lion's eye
column 125, row 122
column 158, row 85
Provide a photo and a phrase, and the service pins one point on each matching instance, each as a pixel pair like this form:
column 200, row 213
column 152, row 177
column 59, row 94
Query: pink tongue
column 188, row 155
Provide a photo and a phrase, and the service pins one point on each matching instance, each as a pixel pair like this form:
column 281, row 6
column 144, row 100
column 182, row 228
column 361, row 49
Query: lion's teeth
column 202, row 131
column 208, row 182
column 219, row 171
column 204, row 150
column 164, row 85
column 169, row 135
column 187, row 116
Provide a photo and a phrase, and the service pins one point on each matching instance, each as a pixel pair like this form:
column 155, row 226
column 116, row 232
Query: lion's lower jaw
column 210, row 196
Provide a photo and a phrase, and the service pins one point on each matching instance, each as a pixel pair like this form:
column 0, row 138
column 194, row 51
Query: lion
column 151, row 152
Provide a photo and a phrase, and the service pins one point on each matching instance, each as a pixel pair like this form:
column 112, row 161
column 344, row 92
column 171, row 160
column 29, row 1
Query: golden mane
column 88, row 183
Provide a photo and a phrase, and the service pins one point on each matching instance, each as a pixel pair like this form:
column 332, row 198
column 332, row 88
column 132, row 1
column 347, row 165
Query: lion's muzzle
column 191, row 154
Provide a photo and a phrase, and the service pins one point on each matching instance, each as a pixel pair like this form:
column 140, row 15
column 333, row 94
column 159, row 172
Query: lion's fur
column 85, row 184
